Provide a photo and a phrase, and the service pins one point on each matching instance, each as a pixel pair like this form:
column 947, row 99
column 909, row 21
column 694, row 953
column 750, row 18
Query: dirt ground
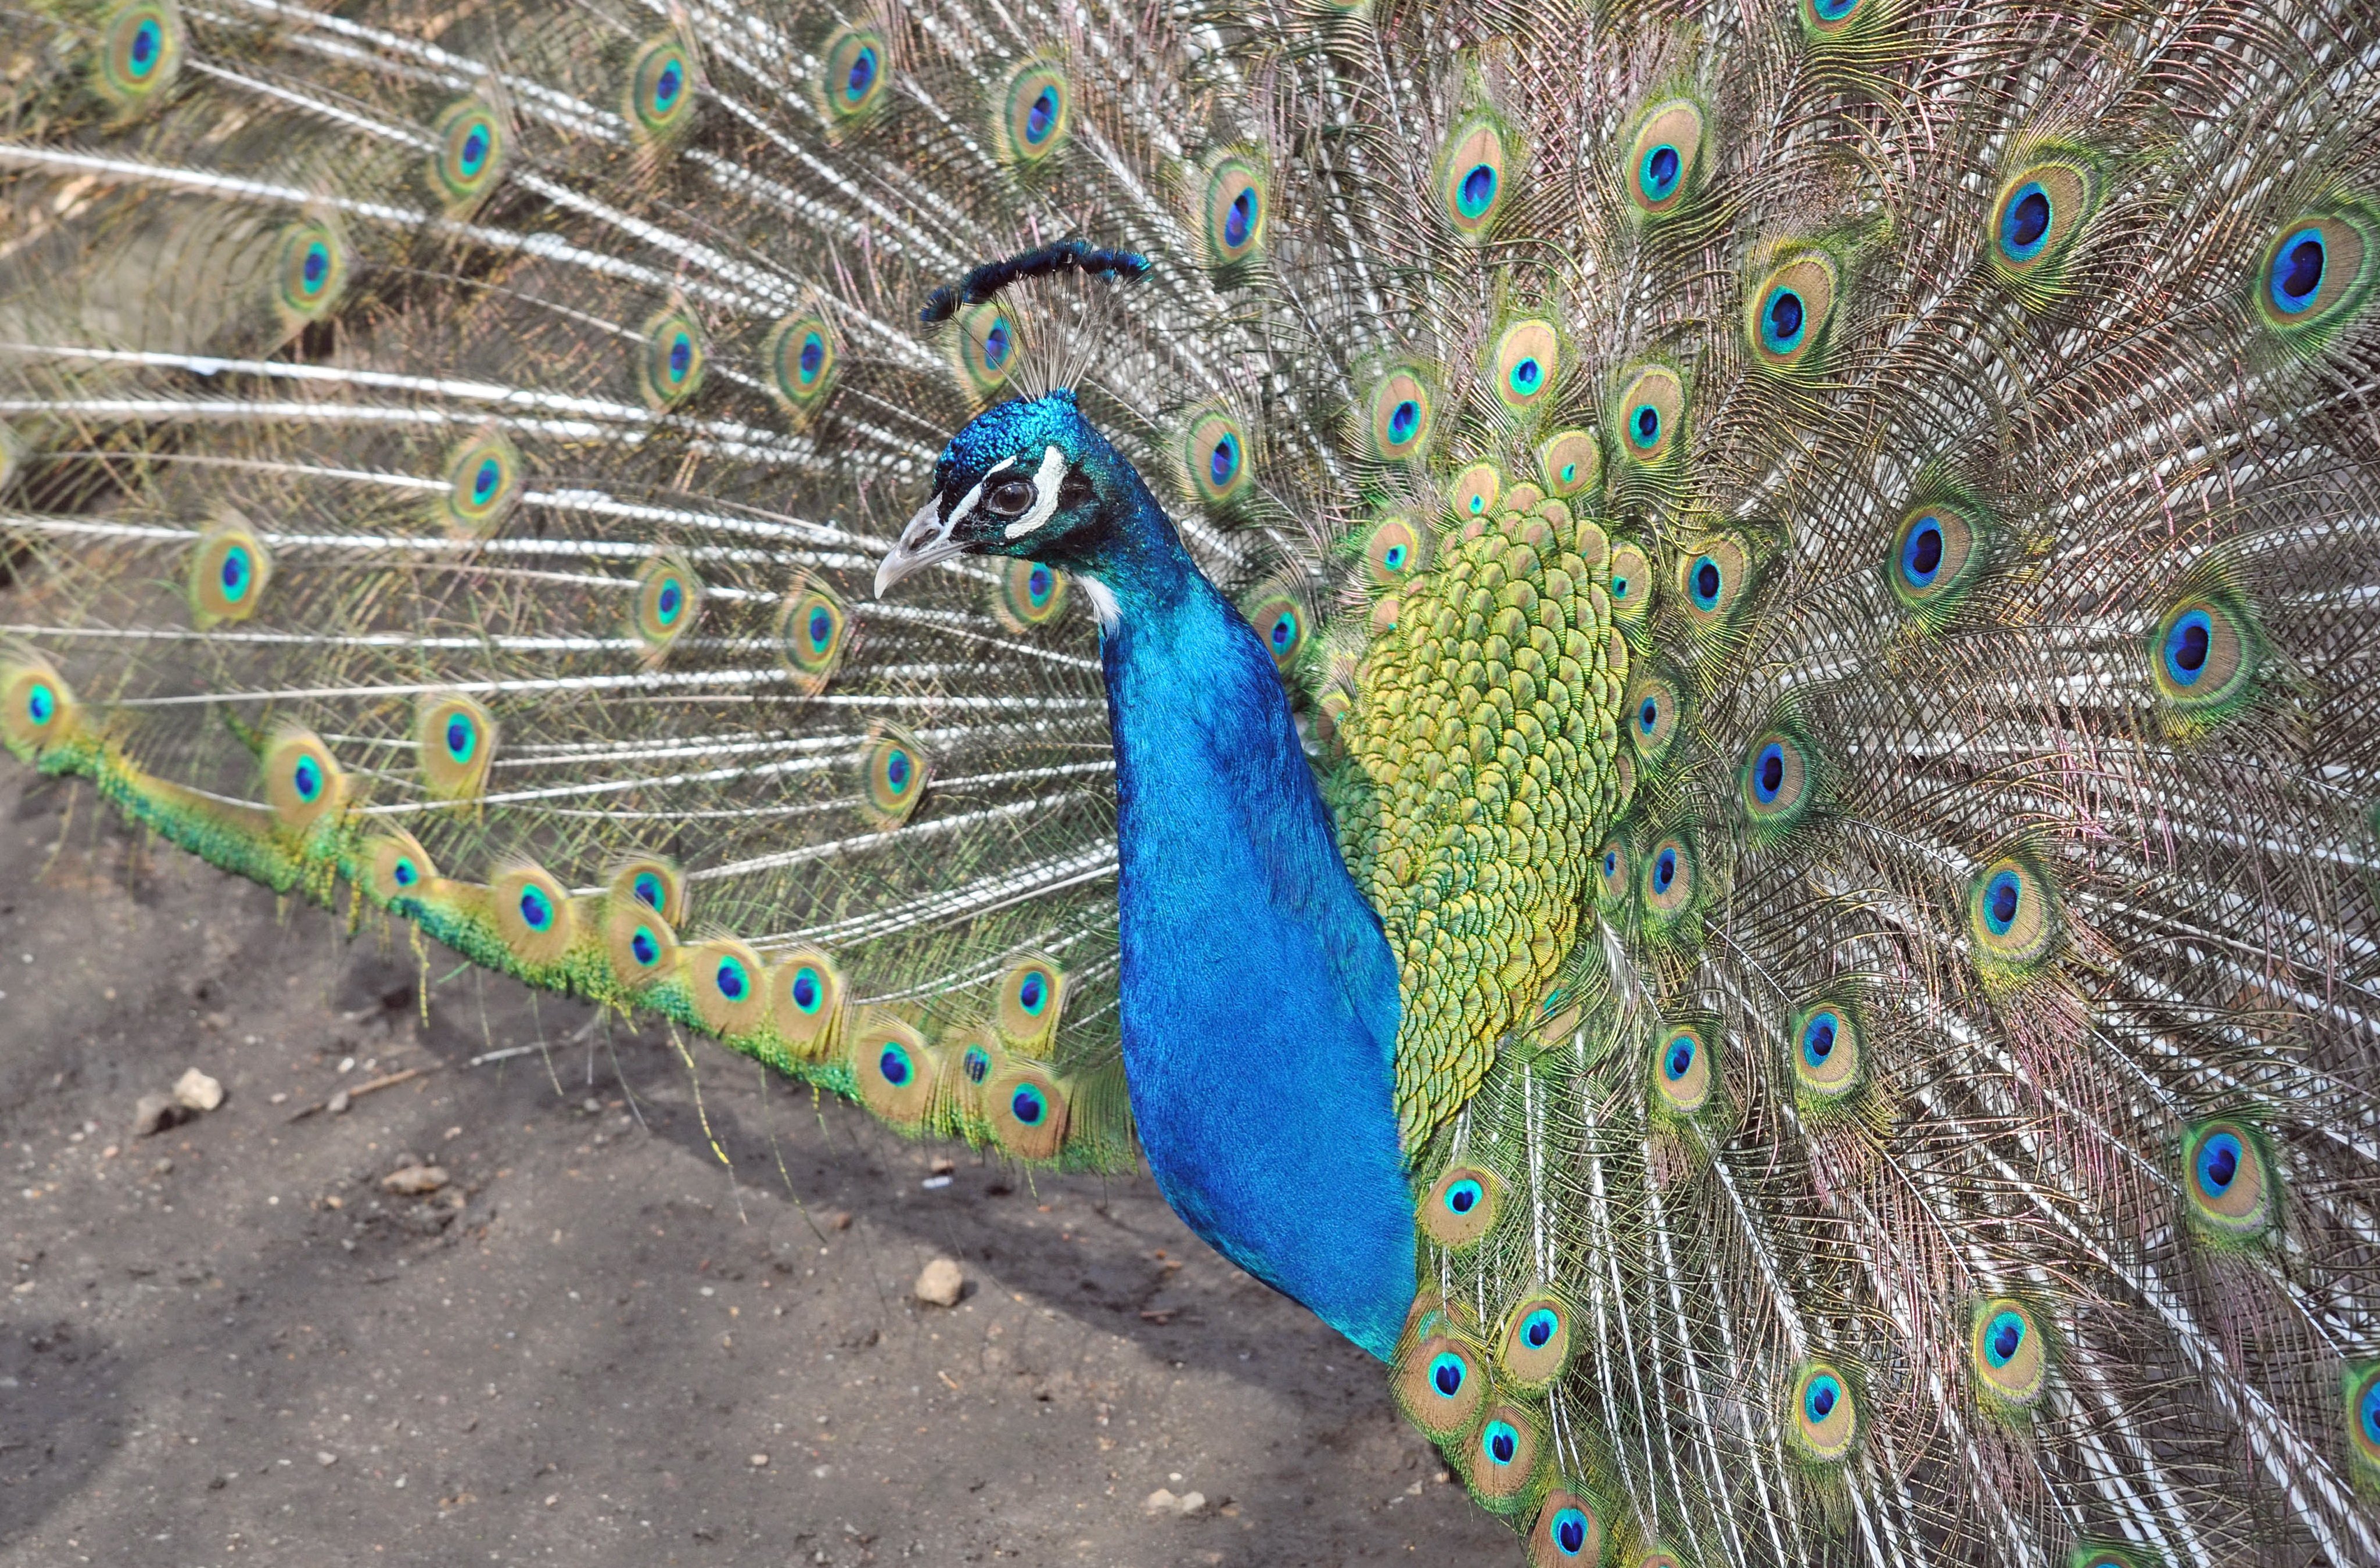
column 227, row 1343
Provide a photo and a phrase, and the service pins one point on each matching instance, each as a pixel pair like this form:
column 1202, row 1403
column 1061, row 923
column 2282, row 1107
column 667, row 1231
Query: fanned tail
column 1828, row 551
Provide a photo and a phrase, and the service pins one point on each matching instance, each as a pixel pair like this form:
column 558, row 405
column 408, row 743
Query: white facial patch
column 1046, row 481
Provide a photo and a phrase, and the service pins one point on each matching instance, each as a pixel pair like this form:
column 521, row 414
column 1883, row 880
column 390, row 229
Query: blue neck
column 1259, row 997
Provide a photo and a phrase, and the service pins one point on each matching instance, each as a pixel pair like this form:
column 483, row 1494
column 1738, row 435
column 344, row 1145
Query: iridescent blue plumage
column 1259, row 997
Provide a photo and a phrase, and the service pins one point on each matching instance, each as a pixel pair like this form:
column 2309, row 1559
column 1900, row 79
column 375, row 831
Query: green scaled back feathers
column 1828, row 551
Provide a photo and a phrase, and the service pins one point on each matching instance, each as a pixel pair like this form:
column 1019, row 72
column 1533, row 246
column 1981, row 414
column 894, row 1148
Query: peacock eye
column 1010, row 498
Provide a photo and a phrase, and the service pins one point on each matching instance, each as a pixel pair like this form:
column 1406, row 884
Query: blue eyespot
column 894, row 1065
column 2219, row 1164
column 805, row 989
column 1527, row 377
column 1033, row 995
column 1568, row 1532
column 2186, row 647
column 1644, row 426
column 1039, row 582
column 681, row 356
column 1464, row 1195
column 238, row 573
column 2368, row 1413
column 484, row 482
column 1648, row 716
column 2298, row 268
column 1537, row 1330
column 1499, row 1443
column 316, row 266
column 671, row 600
column 1704, row 583
column 536, row 909
column 813, row 356
column 1657, row 176
column 476, row 142
column 1448, row 1373
column 1833, row 11
column 404, row 873
column 666, row 85
column 1819, row 1038
column 459, row 738
column 1393, row 558
column 1240, row 219
column 896, row 772
column 1823, row 1395
column 996, row 346
column 1284, row 632
column 1224, row 461
column 976, row 1063
column 1404, row 420
column 306, row 779
column 2001, row 899
column 1681, row 1059
column 643, row 948
column 1028, row 1106
column 1921, row 553
column 1781, row 320
column 1477, row 190
column 1618, row 587
column 861, row 77
column 733, row 983
column 821, row 628
column 40, row 703
column 1042, row 118
column 2002, row 1337
column 148, row 42
column 1768, row 773
column 2024, row 225
column 1611, row 862
column 1665, row 869
column 647, row 888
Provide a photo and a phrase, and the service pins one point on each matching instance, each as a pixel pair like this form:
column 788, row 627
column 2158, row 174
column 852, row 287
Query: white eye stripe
column 967, row 504
column 1046, row 482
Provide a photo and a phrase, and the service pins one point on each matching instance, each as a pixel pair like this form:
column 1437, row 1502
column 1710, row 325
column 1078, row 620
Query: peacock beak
column 929, row 538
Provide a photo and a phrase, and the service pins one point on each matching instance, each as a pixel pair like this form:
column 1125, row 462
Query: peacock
column 1677, row 706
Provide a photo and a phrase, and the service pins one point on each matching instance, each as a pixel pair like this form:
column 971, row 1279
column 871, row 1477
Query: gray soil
column 596, row 1343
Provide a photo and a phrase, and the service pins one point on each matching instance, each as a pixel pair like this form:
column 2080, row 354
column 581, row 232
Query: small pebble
column 326, row 1458
column 195, row 1092
column 337, row 1104
column 155, row 1113
column 1162, row 1501
column 933, row 1184
column 414, row 1181
column 759, row 1461
column 941, row 1283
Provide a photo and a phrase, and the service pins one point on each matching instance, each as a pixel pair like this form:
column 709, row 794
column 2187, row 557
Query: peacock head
column 1029, row 479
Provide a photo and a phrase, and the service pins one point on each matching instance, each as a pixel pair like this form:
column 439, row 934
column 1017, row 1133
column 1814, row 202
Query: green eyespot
column 472, row 149
column 852, row 83
column 662, row 88
column 1474, row 176
column 800, row 355
column 1036, row 112
column 671, row 359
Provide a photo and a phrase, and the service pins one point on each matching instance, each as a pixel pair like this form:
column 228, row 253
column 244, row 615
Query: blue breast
column 1259, row 997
